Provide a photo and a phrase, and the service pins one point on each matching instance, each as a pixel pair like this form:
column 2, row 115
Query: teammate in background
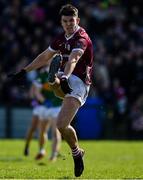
column 46, row 113
column 48, row 116
column 34, row 122
column 74, row 78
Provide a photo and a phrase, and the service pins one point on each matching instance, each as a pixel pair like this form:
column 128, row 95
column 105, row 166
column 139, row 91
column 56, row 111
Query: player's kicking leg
column 54, row 67
column 53, row 76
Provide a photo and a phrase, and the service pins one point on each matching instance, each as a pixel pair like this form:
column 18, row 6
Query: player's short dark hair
column 68, row 10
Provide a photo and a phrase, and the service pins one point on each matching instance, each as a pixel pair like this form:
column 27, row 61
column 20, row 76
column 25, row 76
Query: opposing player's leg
column 56, row 140
column 43, row 128
column 69, row 109
column 33, row 127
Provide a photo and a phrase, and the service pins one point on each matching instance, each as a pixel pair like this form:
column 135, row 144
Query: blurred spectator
column 120, row 98
column 136, row 116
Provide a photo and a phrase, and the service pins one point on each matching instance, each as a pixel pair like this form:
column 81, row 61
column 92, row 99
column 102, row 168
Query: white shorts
column 80, row 89
column 45, row 113
column 50, row 113
column 38, row 110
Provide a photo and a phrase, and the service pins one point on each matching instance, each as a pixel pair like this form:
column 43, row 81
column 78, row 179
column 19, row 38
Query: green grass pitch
column 103, row 160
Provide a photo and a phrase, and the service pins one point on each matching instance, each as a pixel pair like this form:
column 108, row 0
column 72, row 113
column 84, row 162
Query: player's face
column 69, row 24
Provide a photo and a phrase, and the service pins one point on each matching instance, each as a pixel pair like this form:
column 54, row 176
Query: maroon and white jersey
column 78, row 41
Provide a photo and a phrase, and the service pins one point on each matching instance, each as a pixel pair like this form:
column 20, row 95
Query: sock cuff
column 42, row 151
column 76, row 151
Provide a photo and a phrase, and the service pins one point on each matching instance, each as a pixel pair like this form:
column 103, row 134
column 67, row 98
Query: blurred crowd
column 116, row 29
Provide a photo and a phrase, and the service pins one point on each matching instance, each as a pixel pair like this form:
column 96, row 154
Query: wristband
column 65, row 76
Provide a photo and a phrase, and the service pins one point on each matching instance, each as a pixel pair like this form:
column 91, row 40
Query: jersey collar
column 67, row 38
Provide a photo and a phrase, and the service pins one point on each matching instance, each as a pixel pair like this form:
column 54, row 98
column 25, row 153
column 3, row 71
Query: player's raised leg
column 54, row 67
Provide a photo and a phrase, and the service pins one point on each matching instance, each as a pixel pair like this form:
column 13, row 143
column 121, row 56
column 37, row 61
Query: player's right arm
column 40, row 61
column 37, row 93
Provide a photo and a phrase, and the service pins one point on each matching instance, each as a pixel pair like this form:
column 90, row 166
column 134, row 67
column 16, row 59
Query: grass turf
column 103, row 160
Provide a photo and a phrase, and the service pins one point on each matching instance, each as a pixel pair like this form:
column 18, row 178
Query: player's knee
column 33, row 128
column 61, row 127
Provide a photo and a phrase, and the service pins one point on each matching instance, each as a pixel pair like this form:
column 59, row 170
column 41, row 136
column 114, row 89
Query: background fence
column 88, row 122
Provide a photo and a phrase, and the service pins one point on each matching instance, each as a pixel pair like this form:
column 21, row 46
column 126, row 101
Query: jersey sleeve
column 80, row 45
column 54, row 46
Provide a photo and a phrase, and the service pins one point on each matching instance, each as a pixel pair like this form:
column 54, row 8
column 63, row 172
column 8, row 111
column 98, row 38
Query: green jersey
column 41, row 82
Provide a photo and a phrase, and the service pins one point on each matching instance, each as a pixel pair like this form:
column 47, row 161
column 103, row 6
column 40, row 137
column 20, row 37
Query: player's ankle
column 76, row 151
column 42, row 151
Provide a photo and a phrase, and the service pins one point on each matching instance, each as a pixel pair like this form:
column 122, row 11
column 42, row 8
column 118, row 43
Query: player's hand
column 18, row 77
column 34, row 103
column 65, row 86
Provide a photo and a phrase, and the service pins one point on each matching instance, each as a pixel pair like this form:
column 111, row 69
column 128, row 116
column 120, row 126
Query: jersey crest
column 67, row 46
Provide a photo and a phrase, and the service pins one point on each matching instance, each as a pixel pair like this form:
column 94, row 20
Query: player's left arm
column 75, row 55
column 71, row 63
column 69, row 68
